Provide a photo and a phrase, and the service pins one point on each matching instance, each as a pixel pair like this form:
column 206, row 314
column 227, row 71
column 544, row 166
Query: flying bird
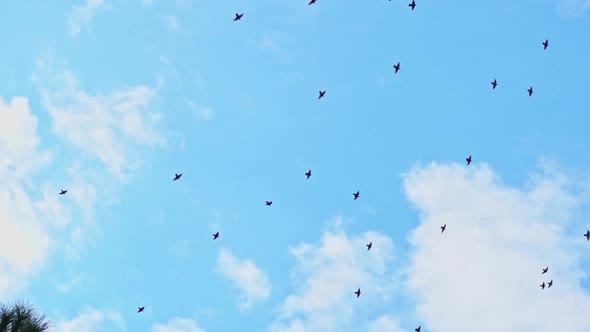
column 545, row 270
column 358, row 293
column 63, row 192
column 308, row 174
column 468, row 160
column 322, row 93
column 238, row 17
column 215, row 236
column 177, row 176
column 311, row 2
column 443, row 227
column 587, row 235
column 413, row 4
column 356, row 195
column 397, row 66
column 543, row 285
column 530, row 90
column 369, row 246
column 494, row 84
column 418, row 329
column 545, row 44
column 268, row 203
column 550, row 284
column 140, row 309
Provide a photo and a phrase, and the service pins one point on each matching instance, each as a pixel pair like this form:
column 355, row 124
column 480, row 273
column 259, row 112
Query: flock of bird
column 356, row 195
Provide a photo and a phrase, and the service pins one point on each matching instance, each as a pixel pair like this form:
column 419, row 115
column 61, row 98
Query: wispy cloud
column 111, row 127
column 172, row 22
column 327, row 274
column 92, row 320
column 199, row 111
column 147, row 3
column 573, row 8
column 251, row 282
column 177, row 325
column 81, row 16
column 484, row 272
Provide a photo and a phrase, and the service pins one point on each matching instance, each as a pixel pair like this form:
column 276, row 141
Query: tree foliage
column 22, row 317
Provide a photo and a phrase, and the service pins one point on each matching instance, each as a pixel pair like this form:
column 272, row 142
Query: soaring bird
column 63, row 192
column 543, row 285
column 442, row 228
column 530, row 90
column 215, row 236
column 177, row 177
column 358, row 293
column 308, row 174
column 322, row 93
column 545, row 270
column 140, row 309
column 550, row 284
column 418, row 329
column 356, row 195
column 397, row 66
column 494, row 84
column 238, row 17
column 369, row 246
column 545, row 44
column 587, row 235
column 468, row 160
column 268, row 203
column 311, row 2
column 413, row 4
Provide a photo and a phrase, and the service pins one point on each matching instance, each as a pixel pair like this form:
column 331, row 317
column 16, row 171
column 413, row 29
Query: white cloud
column 24, row 240
column 172, row 22
column 112, row 127
column 177, row 325
column 65, row 287
column 252, row 283
column 327, row 274
column 385, row 323
column 83, row 15
column 199, row 111
column 573, row 8
column 483, row 273
column 180, row 248
column 91, row 320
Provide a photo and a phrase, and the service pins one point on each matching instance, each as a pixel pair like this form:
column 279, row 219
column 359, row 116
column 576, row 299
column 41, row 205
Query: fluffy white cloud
column 92, row 320
column 83, row 15
column 385, row 323
column 327, row 274
column 111, row 127
column 177, row 325
column 24, row 236
column 252, row 283
column 483, row 274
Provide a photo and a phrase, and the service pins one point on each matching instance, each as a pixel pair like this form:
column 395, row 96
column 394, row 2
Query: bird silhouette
column 140, row 309
column 215, row 236
column 494, row 84
column 369, row 246
column 238, row 17
column 63, row 192
column 177, row 177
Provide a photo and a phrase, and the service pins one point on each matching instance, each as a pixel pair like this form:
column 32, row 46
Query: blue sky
column 109, row 99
